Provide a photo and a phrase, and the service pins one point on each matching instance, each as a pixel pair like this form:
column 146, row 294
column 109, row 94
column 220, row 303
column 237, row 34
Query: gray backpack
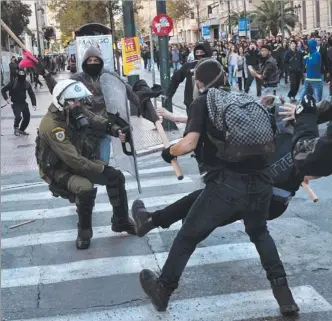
column 238, row 126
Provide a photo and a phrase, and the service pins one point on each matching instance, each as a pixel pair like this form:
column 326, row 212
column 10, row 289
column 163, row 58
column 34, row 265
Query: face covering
column 21, row 78
column 93, row 69
column 77, row 117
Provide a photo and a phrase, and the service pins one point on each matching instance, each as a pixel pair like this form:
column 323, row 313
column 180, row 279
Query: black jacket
column 294, row 60
column 17, row 92
column 187, row 72
column 313, row 154
column 252, row 57
column 269, row 70
column 324, row 61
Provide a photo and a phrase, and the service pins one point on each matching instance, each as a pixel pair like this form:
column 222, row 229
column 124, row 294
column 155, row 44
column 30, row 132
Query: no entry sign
column 162, row 25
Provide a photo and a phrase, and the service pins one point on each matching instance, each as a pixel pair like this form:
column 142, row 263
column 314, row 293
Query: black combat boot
column 85, row 203
column 121, row 222
column 284, row 296
column 153, row 288
column 142, row 218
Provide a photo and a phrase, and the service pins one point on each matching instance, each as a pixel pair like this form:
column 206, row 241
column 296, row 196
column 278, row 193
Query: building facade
column 313, row 15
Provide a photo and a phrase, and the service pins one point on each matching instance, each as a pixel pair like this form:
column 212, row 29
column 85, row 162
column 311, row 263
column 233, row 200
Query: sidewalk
column 18, row 152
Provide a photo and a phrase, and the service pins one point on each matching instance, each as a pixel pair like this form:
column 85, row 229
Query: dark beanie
column 268, row 47
column 207, row 70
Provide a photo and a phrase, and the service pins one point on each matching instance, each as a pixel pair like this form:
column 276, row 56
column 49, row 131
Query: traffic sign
column 162, row 25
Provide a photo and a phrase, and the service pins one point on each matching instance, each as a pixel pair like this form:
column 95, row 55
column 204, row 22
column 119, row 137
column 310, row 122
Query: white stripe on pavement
column 132, row 185
column 71, row 210
column 230, row 307
column 146, row 171
column 66, row 236
column 87, row 269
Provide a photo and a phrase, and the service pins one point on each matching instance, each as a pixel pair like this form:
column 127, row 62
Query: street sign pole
column 164, row 65
column 129, row 28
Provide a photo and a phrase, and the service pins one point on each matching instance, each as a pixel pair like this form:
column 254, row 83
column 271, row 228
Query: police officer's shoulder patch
column 59, row 133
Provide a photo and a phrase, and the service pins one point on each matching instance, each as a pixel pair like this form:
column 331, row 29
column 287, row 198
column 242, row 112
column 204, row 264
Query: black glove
column 166, row 155
column 307, row 106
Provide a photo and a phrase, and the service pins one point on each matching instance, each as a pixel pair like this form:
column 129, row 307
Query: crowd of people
column 236, row 56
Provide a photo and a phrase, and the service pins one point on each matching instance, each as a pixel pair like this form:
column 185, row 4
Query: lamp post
column 245, row 16
column 298, row 13
column 37, row 27
column 229, row 19
column 282, row 5
column 198, row 21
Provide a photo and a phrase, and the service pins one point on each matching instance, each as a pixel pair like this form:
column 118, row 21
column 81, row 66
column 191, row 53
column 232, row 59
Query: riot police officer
column 69, row 163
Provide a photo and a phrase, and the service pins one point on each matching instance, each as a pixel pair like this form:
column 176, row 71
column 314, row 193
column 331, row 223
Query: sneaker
column 153, row 288
column 16, row 132
column 125, row 226
column 22, row 132
column 142, row 218
column 284, row 297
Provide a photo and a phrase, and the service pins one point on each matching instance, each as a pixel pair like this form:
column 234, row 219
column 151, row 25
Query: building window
column 304, row 14
column 317, row 13
column 330, row 7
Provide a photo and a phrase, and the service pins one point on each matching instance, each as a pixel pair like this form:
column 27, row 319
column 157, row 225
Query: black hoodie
column 186, row 72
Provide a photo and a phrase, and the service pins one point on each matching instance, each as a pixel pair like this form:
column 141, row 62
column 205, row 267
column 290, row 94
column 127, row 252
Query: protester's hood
column 312, row 45
column 204, row 45
column 91, row 52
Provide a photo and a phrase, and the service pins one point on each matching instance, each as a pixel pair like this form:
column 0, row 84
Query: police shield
column 115, row 96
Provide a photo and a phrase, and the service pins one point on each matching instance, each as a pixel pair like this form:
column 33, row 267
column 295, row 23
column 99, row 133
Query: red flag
column 28, row 61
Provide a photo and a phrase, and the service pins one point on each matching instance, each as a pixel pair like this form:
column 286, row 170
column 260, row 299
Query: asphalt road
column 44, row 277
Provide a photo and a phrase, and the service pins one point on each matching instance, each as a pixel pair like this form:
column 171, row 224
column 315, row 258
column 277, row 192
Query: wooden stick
column 23, row 223
column 11, row 33
column 310, row 192
column 165, row 141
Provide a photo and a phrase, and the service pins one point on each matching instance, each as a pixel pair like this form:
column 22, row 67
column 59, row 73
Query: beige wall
column 309, row 21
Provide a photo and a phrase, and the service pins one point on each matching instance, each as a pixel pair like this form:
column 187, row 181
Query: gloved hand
column 307, row 106
column 166, row 155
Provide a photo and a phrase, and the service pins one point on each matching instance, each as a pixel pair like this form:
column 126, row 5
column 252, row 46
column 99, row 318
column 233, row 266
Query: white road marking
column 87, row 269
column 230, row 307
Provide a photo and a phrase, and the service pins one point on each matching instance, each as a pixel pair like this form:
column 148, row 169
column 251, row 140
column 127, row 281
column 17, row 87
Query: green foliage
column 71, row 14
column 268, row 16
column 235, row 16
column 16, row 15
column 179, row 9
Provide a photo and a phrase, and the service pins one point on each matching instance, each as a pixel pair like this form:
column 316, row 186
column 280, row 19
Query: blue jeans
column 312, row 87
column 176, row 66
column 231, row 77
column 105, row 149
column 223, row 196
column 149, row 64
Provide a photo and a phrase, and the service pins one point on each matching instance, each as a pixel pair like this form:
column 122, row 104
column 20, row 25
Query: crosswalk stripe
column 71, row 210
column 131, row 185
column 231, row 307
column 147, row 171
column 65, row 236
column 86, row 269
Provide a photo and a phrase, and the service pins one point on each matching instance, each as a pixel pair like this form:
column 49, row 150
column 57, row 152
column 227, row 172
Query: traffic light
column 192, row 15
column 209, row 10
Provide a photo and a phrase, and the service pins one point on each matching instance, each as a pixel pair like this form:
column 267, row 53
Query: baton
column 310, row 192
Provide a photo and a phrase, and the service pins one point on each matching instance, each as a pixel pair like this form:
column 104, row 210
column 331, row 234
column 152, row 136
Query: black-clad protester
column 17, row 89
column 201, row 50
column 237, row 180
column 312, row 153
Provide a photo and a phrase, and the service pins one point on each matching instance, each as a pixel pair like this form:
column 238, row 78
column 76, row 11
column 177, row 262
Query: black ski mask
column 93, row 69
column 21, row 76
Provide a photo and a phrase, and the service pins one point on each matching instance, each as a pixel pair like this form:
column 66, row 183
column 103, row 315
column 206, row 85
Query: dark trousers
column 12, row 76
column 37, row 81
column 222, row 197
column 20, row 110
column 2, row 79
column 295, row 81
column 241, row 80
column 249, row 81
column 179, row 210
